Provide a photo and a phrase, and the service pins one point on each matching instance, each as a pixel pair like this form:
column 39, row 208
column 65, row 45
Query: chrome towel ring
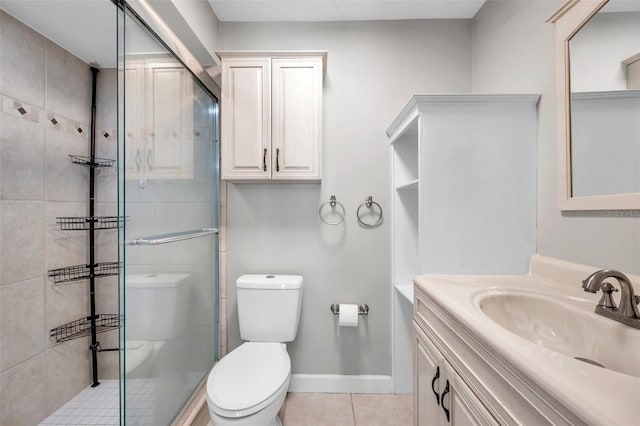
column 335, row 205
column 369, row 204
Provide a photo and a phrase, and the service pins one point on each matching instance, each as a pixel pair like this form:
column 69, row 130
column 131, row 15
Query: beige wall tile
column 22, row 393
column 65, row 303
column 22, row 159
column 21, row 321
column 68, row 84
column 21, row 61
column 22, row 245
column 108, row 361
column 318, row 409
column 107, row 178
column 107, row 102
column 65, row 181
column 64, row 248
column 68, row 371
column 383, row 410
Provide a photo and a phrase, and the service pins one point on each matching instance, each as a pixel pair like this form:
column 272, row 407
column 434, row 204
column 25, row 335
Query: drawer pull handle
column 264, row 160
column 444, row 392
column 277, row 159
column 433, row 382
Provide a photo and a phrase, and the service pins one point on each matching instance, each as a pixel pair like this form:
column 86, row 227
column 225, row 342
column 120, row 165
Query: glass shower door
column 168, row 192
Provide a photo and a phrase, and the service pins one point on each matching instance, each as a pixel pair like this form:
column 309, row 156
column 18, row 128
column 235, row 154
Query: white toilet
column 248, row 386
column 156, row 311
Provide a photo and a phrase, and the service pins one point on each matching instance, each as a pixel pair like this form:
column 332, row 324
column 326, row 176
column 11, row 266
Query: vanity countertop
column 595, row 395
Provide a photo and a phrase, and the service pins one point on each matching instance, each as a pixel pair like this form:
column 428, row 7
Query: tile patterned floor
column 327, row 409
column 99, row 406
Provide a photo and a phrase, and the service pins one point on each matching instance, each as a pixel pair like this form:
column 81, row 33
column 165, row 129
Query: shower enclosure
column 109, row 201
column 168, row 194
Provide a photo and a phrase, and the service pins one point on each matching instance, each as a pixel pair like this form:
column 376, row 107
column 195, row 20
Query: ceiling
column 342, row 10
column 87, row 28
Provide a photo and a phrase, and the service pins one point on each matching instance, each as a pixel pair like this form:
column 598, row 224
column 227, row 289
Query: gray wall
column 373, row 68
column 513, row 51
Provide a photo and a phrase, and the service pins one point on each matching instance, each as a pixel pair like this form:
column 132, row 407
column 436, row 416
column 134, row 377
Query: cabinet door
column 133, row 82
column 427, row 381
column 297, row 118
column 460, row 407
column 169, row 121
column 246, row 119
column 440, row 396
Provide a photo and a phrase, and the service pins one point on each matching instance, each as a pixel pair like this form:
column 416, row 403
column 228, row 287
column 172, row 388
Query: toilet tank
column 269, row 307
column 156, row 305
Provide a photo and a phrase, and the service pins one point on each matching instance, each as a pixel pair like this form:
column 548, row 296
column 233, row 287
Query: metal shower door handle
column 172, row 237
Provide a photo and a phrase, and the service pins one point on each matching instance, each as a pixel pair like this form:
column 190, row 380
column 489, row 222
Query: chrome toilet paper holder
column 363, row 309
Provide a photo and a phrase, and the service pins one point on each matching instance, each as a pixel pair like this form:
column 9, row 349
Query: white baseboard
column 338, row 383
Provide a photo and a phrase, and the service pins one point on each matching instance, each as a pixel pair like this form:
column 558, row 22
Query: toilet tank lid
column 270, row 281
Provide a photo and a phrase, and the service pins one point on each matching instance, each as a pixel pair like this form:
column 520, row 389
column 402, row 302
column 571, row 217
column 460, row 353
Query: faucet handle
column 606, row 300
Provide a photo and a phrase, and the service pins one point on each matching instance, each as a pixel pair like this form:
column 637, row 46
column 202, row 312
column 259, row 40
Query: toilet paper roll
column 348, row 316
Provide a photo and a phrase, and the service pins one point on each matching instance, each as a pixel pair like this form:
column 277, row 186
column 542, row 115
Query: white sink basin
column 567, row 326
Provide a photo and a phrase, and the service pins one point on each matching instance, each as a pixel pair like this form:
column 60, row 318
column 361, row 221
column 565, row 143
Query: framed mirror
column 598, row 85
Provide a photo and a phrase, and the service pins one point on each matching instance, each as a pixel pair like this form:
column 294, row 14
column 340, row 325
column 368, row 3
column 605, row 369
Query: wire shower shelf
column 82, row 327
column 88, row 162
column 82, row 272
column 84, row 223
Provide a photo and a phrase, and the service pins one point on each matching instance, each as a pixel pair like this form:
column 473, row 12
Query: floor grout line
column 353, row 410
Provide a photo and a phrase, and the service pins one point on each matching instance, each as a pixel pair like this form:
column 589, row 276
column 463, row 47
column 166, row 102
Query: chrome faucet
column 628, row 312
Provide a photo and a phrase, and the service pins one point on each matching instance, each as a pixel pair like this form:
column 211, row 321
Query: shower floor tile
column 101, row 405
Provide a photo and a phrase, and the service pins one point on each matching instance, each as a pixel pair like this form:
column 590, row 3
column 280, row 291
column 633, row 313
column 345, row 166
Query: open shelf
column 87, row 162
column 407, row 185
column 82, row 327
column 82, row 272
column 406, row 291
column 84, row 223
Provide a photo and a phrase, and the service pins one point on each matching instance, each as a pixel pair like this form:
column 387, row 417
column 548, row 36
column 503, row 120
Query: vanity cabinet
column 483, row 389
column 159, row 130
column 271, row 116
column 440, row 396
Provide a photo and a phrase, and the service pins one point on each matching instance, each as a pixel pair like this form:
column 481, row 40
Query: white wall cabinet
column 271, row 116
column 159, row 127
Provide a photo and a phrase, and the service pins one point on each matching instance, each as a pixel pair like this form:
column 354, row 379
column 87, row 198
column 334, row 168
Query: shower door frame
column 158, row 29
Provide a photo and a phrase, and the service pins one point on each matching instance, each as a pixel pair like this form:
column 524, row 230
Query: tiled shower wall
column 46, row 94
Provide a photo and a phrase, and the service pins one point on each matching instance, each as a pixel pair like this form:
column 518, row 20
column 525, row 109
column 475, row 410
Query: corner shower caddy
column 94, row 323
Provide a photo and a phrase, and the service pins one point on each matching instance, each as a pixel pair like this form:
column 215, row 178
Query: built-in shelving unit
column 463, row 176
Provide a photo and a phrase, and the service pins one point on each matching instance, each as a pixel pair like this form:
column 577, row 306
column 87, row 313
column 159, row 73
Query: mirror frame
column 568, row 20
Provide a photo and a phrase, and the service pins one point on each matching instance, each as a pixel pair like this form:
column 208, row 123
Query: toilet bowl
column 248, row 386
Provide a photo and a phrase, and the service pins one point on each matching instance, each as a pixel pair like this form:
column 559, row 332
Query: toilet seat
column 248, row 379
